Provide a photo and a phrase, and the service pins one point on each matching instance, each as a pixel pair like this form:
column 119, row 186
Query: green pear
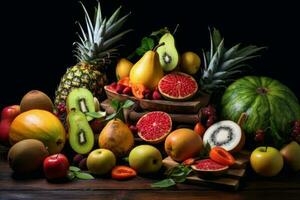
column 168, row 54
column 291, row 155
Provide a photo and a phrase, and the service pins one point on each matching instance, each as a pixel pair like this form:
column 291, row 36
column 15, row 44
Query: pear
column 291, row 155
column 168, row 54
column 147, row 71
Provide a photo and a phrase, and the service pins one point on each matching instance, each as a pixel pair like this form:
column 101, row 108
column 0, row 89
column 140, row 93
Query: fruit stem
column 157, row 46
column 175, row 30
column 242, row 119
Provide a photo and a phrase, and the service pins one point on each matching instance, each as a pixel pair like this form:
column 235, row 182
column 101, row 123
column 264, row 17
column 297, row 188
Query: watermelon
column 269, row 105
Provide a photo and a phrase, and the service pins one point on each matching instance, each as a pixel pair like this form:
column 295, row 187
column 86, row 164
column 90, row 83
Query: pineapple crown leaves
column 222, row 65
column 96, row 44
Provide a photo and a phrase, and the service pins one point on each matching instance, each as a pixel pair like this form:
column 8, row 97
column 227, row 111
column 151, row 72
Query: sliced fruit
column 177, row 86
column 154, row 127
column 138, row 90
column 189, row 161
column 125, row 81
column 168, row 55
column 82, row 100
column 226, row 134
column 209, row 167
column 221, row 156
column 81, row 136
column 122, row 172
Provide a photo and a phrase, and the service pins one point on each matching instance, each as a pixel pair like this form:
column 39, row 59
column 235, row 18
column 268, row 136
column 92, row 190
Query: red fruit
column 209, row 167
column 210, row 121
column 177, row 86
column 189, row 161
column 127, row 91
column 82, row 164
column 259, row 135
column 199, row 129
column 147, row 93
column 77, row 158
column 8, row 114
column 120, row 88
column 133, row 129
column 122, row 172
column 56, row 166
column 156, row 95
column 221, row 156
column 154, row 127
column 97, row 125
column 297, row 123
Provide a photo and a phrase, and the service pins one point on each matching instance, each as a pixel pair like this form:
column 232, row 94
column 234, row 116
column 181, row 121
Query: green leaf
column 84, row 176
column 74, row 169
column 115, row 104
column 71, row 175
column 147, row 43
column 109, row 117
column 140, row 51
column 96, row 115
column 164, row 183
column 127, row 104
column 159, row 32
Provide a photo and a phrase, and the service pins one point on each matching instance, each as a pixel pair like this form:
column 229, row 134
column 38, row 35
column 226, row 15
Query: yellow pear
column 147, row 71
column 123, row 68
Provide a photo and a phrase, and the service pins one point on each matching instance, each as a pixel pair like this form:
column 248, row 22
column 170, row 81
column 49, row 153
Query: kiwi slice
column 168, row 54
column 226, row 134
column 81, row 136
column 82, row 100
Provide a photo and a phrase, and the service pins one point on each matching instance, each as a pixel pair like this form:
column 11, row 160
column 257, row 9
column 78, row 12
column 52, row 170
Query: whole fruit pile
column 73, row 138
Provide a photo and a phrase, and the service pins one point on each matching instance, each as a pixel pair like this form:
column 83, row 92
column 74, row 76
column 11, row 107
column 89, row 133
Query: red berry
column 127, row 90
column 259, row 135
column 210, row 121
column 156, row 95
column 120, row 88
column 147, row 93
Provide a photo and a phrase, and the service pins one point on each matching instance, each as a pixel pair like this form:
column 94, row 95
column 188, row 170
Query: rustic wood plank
column 148, row 195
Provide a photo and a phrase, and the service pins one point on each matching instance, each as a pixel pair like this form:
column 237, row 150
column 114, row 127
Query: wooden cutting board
column 230, row 180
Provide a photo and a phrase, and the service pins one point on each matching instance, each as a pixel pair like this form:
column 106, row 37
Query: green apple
column 145, row 159
column 266, row 161
column 291, row 155
column 100, row 161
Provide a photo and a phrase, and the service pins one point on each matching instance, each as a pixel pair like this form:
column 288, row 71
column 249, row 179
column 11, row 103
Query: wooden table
column 253, row 187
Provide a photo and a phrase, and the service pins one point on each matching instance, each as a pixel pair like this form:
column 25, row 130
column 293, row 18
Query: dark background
column 36, row 37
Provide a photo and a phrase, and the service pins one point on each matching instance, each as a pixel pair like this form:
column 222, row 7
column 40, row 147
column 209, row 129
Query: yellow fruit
column 117, row 137
column 123, row 68
column 41, row 125
column 147, row 71
column 190, row 63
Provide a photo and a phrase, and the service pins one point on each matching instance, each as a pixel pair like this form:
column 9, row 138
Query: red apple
column 8, row 114
column 56, row 166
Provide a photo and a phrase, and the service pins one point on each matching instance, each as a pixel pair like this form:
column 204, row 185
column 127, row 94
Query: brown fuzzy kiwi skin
column 36, row 99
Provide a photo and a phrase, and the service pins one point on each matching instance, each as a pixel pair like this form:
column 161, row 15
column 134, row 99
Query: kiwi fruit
column 27, row 156
column 36, row 99
column 82, row 100
column 168, row 54
column 81, row 136
column 226, row 134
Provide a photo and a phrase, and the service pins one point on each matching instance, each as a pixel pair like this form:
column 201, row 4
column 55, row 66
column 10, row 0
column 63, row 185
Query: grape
column 259, row 135
column 210, row 121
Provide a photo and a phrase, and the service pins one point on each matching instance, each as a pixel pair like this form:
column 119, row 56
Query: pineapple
column 221, row 65
column 94, row 51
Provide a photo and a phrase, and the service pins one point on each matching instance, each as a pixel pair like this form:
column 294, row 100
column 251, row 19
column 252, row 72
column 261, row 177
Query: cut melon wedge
column 226, row 134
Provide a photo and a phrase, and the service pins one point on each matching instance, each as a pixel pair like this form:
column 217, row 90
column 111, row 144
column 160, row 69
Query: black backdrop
column 37, row 37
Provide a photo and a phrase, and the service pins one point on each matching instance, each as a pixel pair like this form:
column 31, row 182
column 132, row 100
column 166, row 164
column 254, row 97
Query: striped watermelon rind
column 267, row 103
